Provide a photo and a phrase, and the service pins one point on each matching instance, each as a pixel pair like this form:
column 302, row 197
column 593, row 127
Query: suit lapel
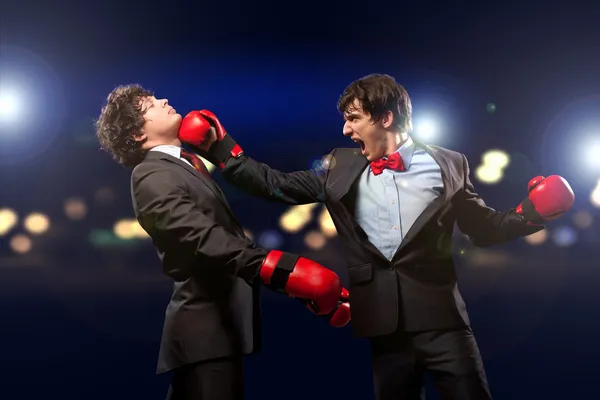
column 206, row 181
column 348, row 168
column 437, row 204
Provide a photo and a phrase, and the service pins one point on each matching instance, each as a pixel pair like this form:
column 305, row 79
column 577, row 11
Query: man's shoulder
column 452, row 155
column 345, row 152
column 152, row 167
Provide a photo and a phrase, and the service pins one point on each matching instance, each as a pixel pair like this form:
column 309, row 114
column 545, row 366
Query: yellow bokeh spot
column 8, row 220
column 37, row 223
column 125, row 229
column 489, row 175
column 496, row 158
column 537, row 238
column 326, row 223
column 296, row 217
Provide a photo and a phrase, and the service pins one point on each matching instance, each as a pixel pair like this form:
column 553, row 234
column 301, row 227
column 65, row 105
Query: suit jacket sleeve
column 484, row 225
column 300, row 187
column 181, row 230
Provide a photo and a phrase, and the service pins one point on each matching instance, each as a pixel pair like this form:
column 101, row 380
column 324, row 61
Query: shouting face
column 374, row 137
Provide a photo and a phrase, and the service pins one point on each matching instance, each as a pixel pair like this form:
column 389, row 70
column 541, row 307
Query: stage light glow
column 426, row 128
column 595, row 195
column 10, row 104
column 592, row 153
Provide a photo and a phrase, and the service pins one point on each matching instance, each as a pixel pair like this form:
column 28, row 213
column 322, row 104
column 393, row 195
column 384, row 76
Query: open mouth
column 361, row 144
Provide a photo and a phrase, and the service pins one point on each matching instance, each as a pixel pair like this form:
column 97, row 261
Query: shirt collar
column 169, row 149
column 406, row 152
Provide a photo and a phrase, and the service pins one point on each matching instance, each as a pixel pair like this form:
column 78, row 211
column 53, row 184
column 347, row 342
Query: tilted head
column 378, row 114
column 133, row 121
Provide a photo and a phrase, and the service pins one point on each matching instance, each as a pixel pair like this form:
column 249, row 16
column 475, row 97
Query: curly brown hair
column 120, row 120
column 378, row 94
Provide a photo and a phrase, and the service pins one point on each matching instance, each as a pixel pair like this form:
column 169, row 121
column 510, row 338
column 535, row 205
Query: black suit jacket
column 417, row 289
column 214, row 310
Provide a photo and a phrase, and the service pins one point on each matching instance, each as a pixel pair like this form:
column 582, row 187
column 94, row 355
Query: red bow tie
column 393, row 162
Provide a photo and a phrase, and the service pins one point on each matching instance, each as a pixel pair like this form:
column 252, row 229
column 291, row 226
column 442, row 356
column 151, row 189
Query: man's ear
column 140, row 137
column 387, row 120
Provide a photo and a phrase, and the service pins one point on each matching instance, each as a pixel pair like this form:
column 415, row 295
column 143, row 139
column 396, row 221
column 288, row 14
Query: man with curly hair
column 213, row 318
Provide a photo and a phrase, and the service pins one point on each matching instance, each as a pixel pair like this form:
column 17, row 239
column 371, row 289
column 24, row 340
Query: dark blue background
column 78, row 322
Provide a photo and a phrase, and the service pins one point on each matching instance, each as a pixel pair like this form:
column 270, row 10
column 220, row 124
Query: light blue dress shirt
column 389, row 204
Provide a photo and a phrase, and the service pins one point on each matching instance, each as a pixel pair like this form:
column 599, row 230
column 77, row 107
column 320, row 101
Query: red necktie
column 196, row 162
column 394, row 162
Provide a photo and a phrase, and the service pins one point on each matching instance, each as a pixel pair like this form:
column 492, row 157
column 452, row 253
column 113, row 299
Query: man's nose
column 346, row 130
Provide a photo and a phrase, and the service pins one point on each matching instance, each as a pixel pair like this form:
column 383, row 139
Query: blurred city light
column 8, row 220
column 583, row 219
column 296, row 217
column 128, row 229
column 36, row 223
column 537, row 238
column 491, row 170
column 326, row 223
column 75, row 208
column 315, row 240
column 564, row 236
column 496, row 159
column 104, row 196
column 489, row 175
column 270, row 239
column 20, row 244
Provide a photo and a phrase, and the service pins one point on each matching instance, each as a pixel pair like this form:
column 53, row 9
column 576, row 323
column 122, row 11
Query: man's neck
column 394, row 141
column 174, row 142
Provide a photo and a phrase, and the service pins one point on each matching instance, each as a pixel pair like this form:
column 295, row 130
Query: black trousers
column 451, row 357
column 221, row 379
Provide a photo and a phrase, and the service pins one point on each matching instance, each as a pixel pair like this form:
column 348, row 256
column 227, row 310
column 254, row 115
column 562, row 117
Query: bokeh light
column 20, row 244
column 36, row 223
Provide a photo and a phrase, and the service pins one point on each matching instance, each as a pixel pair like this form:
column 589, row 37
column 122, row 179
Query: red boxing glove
column 302, row 278
column 548, row 199
column 195, row 130
column 340, row 316
column 225, row 147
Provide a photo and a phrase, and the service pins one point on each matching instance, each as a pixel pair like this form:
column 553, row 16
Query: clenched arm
column 484, row 225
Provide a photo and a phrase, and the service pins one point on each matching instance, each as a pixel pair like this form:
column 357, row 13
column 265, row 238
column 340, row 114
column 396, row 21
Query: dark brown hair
column 121, row 118
column 378, row 94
